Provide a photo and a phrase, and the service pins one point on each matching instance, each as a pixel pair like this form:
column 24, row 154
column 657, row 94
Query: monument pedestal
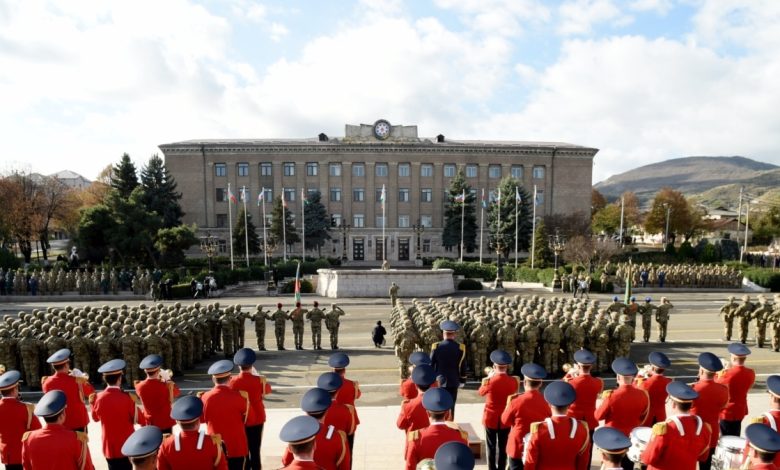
column 341, row 283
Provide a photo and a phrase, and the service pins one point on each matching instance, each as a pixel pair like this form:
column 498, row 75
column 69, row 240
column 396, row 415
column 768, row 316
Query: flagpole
column 498, row 227
column 230, row 226
column 246, row 226
column 303, row 227
column 481, row 224
column 384, row 223
column 533, row 231
column 265, row 236
column 516, row 204
column 462, row 218
column 284, row 227
column 622, row 207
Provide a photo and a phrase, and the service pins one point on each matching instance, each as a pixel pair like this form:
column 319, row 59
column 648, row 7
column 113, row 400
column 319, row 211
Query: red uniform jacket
column 772, row 419
column 347, row 394
column 523, row 410
column 331, row 450
column 225, row 411
column 117, row 414
column 157, row 397
column 738, row 379
column 624, row 408
column 587, row 388
column 55, row 448
column 556, row 445
column 497, row 389
column 16, row 418
column 764, row 466
column 424, row 443
column 655, row 385
column 412, row 416
column 408, row 389
column 671, row 449
column 301, row 465
column 76, row 391
column 256, row 388
column 342, row 417
column 713, row 398
column 208, row 457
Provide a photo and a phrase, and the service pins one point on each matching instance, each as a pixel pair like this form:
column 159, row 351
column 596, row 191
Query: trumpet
column 570, row 370
column 645, row 371
column 166, row 375
column 2, row 369
column 79, row 374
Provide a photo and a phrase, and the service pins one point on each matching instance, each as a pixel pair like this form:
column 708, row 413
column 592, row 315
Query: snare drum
column 639, row 438
column 728, row 454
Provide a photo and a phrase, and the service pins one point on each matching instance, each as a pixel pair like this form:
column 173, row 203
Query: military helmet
column 104, row 330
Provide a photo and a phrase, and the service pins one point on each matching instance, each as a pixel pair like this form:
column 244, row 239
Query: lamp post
column 666, row 234
column 557, row 243
column 344, row 229
column 208, row 245
column 499, row 268
column 418, row 229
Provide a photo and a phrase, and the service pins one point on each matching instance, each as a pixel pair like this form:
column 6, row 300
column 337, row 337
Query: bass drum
column 728, row 454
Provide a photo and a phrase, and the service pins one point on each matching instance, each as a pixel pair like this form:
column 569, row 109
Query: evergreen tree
column 240, row 237
column 276, row 235
column 160, row 193
column 317, row 222
column 542, row 253
column 123, row 177
column 505, row 234
column 172, row 242
column 452, row 215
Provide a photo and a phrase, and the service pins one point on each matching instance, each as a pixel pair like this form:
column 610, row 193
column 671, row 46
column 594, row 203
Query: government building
column 350, row 171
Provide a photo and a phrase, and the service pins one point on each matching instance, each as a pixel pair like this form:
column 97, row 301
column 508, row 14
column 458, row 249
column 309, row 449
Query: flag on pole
column 382, row 196
column 517, row 195
column 461, row 197
column 232, row 196
column 261, row 197
column 498, row 198
column 484, row 202
column 243, row 194
column 284, row 200
column 298, row 283
column 304, row 198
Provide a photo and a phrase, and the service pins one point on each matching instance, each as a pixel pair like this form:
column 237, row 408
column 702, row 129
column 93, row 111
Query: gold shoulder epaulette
column 757, row 419
column 511, row 397
column 605, row 394
column 244, row 394
column 413, row 436
column 584, row 425
column 462, row 347
column 199, row 394
column 452, row 425
column 44, row 379
column 82, row 436
column 217, row 440
column 25, row 436
column 92, row 398
column 485, row 381
column 535, row 426
column 464, row 435
column 659, row 429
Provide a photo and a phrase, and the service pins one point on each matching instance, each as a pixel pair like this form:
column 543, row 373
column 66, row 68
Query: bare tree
column 579, row 250
column 56, row 203
column 604, row 249
column 21, row 197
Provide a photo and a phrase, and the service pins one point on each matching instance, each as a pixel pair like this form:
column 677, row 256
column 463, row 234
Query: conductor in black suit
column 447, row 359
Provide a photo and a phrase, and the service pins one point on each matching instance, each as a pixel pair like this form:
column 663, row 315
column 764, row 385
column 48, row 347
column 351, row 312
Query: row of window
column 358, row 220
column 380, row 169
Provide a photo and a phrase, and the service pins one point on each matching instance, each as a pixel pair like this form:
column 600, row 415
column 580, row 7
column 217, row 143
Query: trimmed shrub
column 181, row 291
column 8, row 260
column 470, row 270
column 469, row 284
column 306, row 287
column 764, row 278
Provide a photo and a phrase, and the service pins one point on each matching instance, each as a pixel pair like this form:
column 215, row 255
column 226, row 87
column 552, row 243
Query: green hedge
column 181, row 291
column 764, row 278
column 469, row 284
column 471, row 270
column 306, row 287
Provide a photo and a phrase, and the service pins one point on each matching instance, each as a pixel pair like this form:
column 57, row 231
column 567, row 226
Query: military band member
column 522, row 410
column 339, row 415
column 764, row 446
column 613, row 445
column 712, row 399
column 225, row 411
column 300, row 435
column 413, row 415
column 141, row 447
column 192, row 448
column 739, row 379
column 448, row 361
column 496, row 388
column 17, row 418
column 55, row 447
column 559, row 441
column 681, row 441
column 454, row 456
column 655, row 385
column 157, row 393
column 255, row 387
column 423, row 443
column 772, row 417
column 349, row 390
column 586, row 387
column 408, row 389
column 77, row 389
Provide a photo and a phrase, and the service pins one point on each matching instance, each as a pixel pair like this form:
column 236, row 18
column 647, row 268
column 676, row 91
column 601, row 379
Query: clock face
column 382, row 129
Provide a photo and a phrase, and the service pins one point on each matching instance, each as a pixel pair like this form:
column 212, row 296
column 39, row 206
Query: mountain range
column 710, row 181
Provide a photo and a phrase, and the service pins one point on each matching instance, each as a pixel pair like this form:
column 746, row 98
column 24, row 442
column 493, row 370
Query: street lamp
column 557, row 244
column 418, row 230
column 666, row 234
column 344, row 229
column 208, row 245
column 499, row 268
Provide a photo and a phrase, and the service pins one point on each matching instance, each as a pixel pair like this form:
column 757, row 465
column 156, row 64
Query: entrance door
column 358, row 252
column 379, row 251
column 403, row 249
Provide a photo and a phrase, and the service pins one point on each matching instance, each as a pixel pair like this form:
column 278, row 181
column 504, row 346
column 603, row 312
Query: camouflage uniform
column 227, row 334
column 315, row 316
column 530, row 340
column 131, row 352
column 29, row 348
column 647, row 311
column 404, row 348
column 297, row 318
column 332, row 323
column 624, row 333
column 82, row 352
column 480, row 338
column 551, row 343
column 506, row 337
column 728, row 311
column 279, row 318
column 662, row 317
column 744, row 312
column 761, row 314
column 259, row 318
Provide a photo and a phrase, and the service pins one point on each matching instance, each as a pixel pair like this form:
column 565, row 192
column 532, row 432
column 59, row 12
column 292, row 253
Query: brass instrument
column 2, row 369
column 166, row 375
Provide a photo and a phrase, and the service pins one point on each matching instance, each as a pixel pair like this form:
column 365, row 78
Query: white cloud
column 507, row 18
column 579, row 17
column 750, row 24
column 661, row 7
column 278, row 31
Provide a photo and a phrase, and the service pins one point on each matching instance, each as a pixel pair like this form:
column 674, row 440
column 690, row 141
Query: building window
column 358, row 195
column 471, row 171
column 426, row 195
column 358, row 221
column 312, row 169
column 311, row 191
column 289, row 194
column 220, row 169
column 265, row 169
column 289, row 169
column 334, row 169
column 404, row 169
column 243, row 169
column 403, row 195
column 335, row 194
column 222, row 220
column 426, row 221
column 426, row 245
column 222, row 246
column 358, row 169
column 494, row 171
column 426, row 170
column 449, row 171
column 378, row 194
column 221, row 195
column 538, row 172
column 517, row 172
column 335, row 220
column 380, row 169
column 403, row 221
column 540, row 197
column 379, row 220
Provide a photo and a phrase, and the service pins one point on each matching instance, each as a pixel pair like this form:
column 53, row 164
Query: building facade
column 350, row 172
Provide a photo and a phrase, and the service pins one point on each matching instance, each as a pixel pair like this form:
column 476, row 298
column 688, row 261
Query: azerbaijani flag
column 461, row 197
column 382, row 196
column 298, row 283
column 484, row 202
column 517, row 195
column 304, row 198
column 232, row 196
column 261, row 196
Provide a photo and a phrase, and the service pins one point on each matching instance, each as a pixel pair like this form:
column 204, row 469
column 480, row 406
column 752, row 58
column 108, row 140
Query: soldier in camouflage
column 315, row 316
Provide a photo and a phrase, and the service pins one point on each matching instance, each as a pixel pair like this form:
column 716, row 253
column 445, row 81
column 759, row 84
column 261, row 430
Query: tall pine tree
column 240, row 235
column 506, row 232
column 543, row 255
column 276, row 234
column 124, row 178
column 453, row 211
column 317, row 222
column 160, row 193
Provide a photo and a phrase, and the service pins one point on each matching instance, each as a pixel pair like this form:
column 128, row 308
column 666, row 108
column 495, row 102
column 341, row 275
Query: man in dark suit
column 447, row 359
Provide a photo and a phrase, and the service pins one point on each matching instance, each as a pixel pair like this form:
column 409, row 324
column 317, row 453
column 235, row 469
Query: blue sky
column 643, row 80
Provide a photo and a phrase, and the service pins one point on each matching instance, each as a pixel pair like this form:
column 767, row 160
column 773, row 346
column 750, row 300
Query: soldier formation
column 57, row 281
column 762, row 312
column 676, row 275
column 529, row 328
column 182, row 334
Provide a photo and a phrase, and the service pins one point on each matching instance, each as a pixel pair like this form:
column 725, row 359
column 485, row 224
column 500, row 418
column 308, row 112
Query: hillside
column 711, row 179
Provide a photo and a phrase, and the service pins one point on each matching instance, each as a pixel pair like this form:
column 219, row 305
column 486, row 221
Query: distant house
column 720, row 213
column 71, row 179
column 728, row 228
